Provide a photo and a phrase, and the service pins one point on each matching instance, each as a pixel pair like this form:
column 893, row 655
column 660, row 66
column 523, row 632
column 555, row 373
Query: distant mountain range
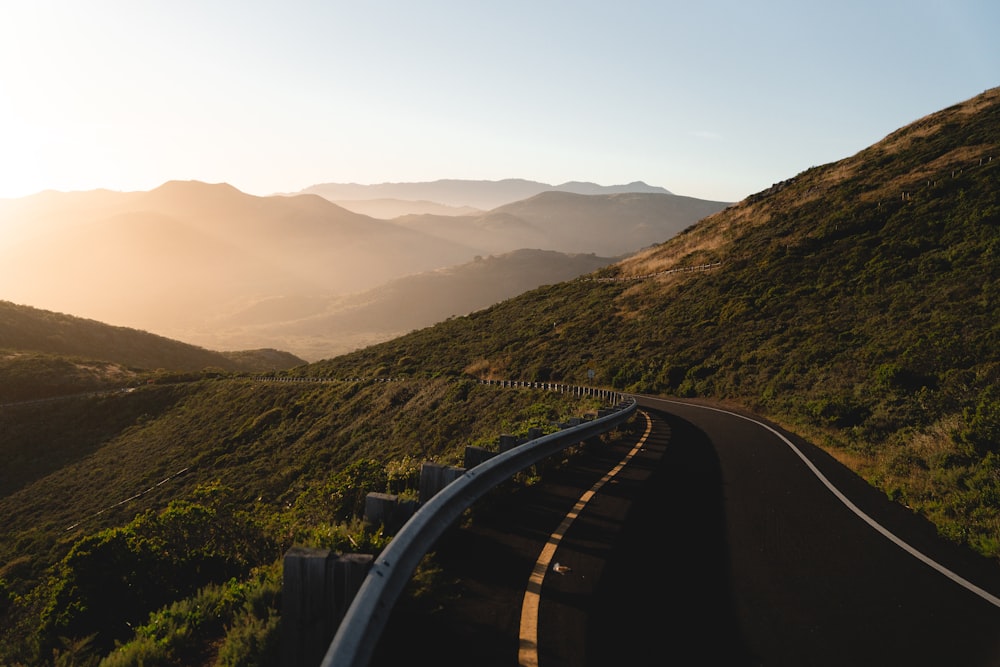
column 482, row 195
column 185, row 259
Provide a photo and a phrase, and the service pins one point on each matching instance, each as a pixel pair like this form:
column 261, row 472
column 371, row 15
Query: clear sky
column 714, row 99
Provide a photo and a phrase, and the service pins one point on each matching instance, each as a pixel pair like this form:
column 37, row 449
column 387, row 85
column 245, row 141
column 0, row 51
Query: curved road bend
column 714, row 544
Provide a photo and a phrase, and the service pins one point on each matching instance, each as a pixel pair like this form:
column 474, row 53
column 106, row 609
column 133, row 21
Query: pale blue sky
column 714, row 99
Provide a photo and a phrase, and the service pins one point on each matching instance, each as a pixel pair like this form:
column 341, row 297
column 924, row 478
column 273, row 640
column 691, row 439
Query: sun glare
column 45, row 79
column 19, row 167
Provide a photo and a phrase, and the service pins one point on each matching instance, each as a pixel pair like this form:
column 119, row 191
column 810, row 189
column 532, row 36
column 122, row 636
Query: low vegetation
column 120, row 508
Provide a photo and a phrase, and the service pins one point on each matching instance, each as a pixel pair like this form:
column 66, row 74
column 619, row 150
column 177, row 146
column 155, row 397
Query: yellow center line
column 527, row 655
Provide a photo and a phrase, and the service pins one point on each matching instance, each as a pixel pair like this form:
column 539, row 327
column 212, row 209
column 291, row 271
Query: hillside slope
column 856, row 302
column 320, row 327
column 24, row 329
column 169, row 259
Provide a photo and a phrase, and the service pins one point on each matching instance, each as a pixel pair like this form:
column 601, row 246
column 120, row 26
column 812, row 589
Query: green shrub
column 982, row 433
column 241, row 616
column 110, row 581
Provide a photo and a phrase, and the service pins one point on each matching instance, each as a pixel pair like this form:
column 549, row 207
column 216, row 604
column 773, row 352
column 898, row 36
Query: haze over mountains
column 27, row 329
column 482, row 195
column 194, row 261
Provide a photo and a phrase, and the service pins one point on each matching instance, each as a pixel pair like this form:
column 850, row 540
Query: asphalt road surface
column 703, row 538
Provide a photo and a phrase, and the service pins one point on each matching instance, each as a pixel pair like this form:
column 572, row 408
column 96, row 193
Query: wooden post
column 508, row 441
column 388, row 510
column 349, row 572
column 436, row 476
column 475, row 455
column 380, row 507
column 317, row 589
column 307, row 616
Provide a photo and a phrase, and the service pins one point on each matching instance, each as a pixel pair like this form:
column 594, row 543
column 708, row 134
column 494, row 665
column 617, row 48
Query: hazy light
column 274, row 98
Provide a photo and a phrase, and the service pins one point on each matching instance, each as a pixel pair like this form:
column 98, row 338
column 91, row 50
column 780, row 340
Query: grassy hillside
column 115, row 505
column 855, row 303
column 26, row 329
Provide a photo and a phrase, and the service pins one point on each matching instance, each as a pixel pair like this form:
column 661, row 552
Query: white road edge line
column 986, row 595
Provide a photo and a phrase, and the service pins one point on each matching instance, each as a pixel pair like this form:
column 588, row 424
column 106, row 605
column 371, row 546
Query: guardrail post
column 307, row 624
column 507, row 442
column 475, row 455
column 436, row 476
column 317, row 589
column 388, row 510
column 349, row 572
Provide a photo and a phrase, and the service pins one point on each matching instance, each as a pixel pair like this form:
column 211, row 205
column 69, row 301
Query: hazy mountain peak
column 195, row 186
column 481, row 194
column 588, row 188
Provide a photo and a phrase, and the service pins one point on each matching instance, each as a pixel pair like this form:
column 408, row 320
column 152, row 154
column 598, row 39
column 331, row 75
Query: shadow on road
column 666, row 595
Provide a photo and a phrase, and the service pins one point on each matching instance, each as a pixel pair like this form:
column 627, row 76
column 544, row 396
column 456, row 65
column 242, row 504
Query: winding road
column 707, row 537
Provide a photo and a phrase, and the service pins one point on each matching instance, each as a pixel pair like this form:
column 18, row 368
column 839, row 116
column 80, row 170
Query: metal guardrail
column 359, row 631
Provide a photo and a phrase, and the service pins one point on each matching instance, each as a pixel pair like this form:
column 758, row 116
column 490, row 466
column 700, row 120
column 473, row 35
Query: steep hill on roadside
column 856, row 302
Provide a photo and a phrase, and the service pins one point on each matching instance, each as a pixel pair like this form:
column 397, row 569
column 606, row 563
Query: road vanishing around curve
column 718, row 540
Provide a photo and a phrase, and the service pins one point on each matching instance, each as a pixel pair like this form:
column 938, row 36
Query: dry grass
column 856, row 461
column 489, row 369
column 936, row 441
column 932, row 123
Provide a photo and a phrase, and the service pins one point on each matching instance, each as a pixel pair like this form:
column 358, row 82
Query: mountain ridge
column 480, row 194
column 319, row 327
column 179, row 257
